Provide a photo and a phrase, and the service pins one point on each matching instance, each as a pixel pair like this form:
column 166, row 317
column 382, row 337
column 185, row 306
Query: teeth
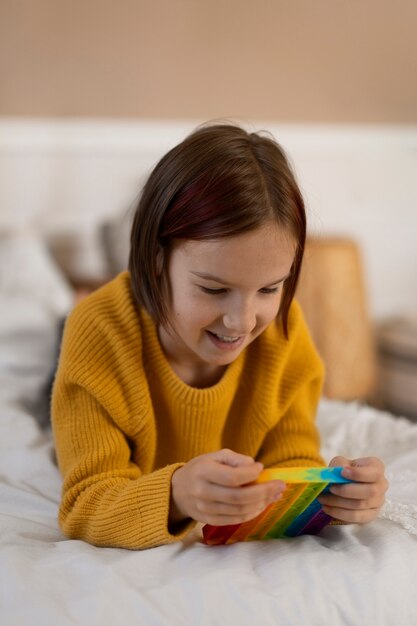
column 225, row 338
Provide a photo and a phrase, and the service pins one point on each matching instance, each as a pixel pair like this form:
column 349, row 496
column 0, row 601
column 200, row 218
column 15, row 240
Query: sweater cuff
column 154, row 505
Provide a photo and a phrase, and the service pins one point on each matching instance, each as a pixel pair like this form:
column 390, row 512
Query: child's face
column 224, row 293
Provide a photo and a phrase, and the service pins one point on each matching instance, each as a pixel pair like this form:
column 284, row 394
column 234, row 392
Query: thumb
column 363, row 461
column 340, row 461
column 352, row 468
column 234, row 459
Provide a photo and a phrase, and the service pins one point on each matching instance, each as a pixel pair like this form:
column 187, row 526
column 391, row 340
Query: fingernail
column 347, row 473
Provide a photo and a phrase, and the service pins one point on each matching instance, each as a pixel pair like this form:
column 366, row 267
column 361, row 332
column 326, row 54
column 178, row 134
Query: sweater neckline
column 162, row 368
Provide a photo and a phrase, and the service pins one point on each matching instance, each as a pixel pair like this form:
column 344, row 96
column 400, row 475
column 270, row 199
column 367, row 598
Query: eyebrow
column 216, row 279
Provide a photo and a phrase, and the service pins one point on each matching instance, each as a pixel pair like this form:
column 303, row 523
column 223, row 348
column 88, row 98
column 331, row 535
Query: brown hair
column 219, row 182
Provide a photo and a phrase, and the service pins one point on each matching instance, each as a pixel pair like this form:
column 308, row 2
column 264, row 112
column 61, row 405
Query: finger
column 367, row 470
column 216, row 519
column 359, row 491
column 252, row 495
column 224, row 513
column 339, row 461
column 234, row 459
column 351, row 503
column 351, row 516
column 231, row 510
column 220, row 474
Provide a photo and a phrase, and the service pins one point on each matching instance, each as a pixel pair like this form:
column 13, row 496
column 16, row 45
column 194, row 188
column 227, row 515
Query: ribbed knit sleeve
column 293, row 440
column 106, row 500
column 123, row 421
column 100, row 404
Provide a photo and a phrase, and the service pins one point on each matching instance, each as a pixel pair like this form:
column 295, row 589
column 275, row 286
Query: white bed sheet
column 352, row 575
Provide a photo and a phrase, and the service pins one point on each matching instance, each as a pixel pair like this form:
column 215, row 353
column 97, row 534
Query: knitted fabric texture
column 123, row 421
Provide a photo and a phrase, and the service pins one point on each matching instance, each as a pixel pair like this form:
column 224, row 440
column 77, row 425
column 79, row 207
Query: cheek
column 203, row 314
column 270, row 311
column 191, row 312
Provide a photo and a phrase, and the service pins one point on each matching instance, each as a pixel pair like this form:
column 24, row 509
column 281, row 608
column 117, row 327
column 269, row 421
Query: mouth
column 225, row 342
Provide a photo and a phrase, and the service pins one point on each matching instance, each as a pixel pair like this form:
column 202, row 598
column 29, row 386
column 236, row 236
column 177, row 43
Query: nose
column 240, row 318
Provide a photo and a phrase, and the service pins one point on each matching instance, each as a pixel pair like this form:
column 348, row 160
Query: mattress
column 347, row 575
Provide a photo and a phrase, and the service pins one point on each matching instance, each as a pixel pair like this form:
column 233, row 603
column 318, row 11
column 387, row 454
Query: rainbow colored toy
column 298, row 512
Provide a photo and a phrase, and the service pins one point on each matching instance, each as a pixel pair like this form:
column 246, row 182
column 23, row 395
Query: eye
column 270, row 289
column 213, row 292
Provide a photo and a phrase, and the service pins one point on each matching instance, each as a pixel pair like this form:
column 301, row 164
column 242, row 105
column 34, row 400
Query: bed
column 347, row 575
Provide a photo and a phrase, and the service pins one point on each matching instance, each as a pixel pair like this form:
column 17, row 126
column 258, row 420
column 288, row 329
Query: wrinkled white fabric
column 356, row 431
column 347, row 576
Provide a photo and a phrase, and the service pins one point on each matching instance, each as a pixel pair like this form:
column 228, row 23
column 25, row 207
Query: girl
column 182, row 378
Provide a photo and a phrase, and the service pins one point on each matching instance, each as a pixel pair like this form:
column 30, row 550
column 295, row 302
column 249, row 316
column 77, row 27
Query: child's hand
column 213, row 488
column 356, row 502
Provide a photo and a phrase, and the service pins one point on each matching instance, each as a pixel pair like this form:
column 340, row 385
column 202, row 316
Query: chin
column 224, row 359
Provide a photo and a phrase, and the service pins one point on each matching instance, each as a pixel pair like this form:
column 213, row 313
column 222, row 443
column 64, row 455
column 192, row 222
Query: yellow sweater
column 123, row 421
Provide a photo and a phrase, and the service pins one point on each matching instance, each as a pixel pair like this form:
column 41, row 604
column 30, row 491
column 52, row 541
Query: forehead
column 262, row 256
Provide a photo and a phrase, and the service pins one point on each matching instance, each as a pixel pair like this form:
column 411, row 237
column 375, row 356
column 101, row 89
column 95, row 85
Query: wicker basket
column 332, row 294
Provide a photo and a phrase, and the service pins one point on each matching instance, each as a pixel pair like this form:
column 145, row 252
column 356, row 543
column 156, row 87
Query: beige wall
column 288, row 60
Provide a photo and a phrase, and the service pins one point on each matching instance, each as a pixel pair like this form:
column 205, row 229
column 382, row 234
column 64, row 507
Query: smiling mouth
column 225, row 338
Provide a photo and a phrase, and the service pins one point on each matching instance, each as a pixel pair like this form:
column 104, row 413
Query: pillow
column 27, row 268
column 80, row 255
column 34, row 300
column 115, row 236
